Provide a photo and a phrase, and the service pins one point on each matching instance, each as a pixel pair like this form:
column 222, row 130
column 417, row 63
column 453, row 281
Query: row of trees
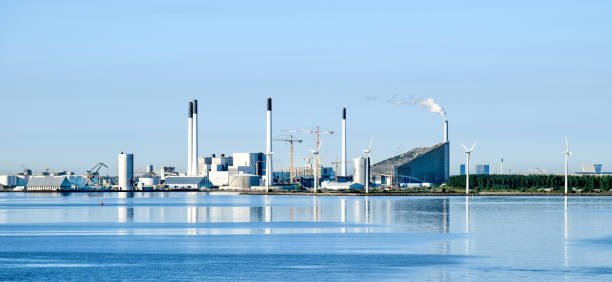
column 517, row 182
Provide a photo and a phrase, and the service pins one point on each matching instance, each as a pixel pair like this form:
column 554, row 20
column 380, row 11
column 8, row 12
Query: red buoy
column 101, row 203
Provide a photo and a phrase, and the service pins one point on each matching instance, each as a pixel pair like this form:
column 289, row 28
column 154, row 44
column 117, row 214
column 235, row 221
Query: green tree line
column 518, row 182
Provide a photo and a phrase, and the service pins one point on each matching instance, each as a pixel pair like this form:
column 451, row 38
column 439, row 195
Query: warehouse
column 187, row 182
column 48, row 183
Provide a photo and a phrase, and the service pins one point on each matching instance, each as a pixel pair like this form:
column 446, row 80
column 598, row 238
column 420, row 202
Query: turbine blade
column 464, row 147
column 473, row 145
column 370, row 147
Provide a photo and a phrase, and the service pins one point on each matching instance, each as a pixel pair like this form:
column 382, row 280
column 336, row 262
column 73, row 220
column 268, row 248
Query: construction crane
column 316, row 132
column 336, row 162
column 290, row 140
column 94, row 171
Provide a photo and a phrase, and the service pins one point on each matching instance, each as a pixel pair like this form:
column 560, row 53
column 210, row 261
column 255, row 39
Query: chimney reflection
column 315, row 208
column 343, row 214
column 192, row 214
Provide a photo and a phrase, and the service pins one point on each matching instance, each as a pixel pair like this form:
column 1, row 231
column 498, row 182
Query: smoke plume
column 430, row 105
column 427, row 103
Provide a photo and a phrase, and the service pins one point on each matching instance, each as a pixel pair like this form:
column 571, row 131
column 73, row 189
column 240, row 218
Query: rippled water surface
column 221, row 236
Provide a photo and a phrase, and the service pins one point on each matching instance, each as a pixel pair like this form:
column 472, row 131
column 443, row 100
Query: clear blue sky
column 81, row 81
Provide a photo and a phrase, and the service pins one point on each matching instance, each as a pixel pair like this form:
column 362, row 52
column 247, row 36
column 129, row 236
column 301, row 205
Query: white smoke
column 430, row 105
column 427, row 103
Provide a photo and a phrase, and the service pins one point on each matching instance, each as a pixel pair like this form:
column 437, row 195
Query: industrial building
column 187, row 182
column 427, row 165
column 48, row 183
column 148, row 180
column 222, row 169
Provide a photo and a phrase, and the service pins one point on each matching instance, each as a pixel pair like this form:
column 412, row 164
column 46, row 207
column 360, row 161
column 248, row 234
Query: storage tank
column 8, row 180
column 360, row 164
column 244, row 181
column 148, row 181
column 126, row 171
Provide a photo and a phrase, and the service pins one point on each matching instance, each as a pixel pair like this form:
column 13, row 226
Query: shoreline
column 337, row 194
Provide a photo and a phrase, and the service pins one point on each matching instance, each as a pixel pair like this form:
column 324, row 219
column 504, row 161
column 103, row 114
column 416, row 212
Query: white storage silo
column 126, row 171
column 360, row 164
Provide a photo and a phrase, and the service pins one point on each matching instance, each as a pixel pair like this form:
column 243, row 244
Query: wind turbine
column 567, row 153
column 315, row 176
column 367, row 166
column 467, row 166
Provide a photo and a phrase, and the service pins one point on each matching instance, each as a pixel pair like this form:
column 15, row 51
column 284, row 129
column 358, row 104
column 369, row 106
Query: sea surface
column 225, row 236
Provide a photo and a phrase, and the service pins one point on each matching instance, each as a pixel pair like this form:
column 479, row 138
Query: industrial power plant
column 253, row 171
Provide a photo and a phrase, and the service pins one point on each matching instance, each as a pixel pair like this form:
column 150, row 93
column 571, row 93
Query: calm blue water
column 202, row 236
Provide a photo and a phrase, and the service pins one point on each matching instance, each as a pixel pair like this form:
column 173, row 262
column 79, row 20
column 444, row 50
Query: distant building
column 48, row 183
column 462, row 169
column 482, row 169
column 592, row 168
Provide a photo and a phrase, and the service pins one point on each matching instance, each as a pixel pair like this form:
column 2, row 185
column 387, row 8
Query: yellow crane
column 336, row 162
column 291, row 139
column 316, row 132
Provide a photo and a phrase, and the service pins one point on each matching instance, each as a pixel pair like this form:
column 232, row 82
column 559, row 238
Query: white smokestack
column 190, row 139
column 194, row 152
column 343, row 173
column 269, row 169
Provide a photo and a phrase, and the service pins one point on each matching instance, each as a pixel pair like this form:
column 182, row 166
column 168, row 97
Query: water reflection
column 565, row 236
column 266, row 214
column 467, row 225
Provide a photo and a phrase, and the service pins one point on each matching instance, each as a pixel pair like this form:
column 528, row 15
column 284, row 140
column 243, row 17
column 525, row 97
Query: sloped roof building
column 424, row 165
column 187, row 182
column 48, row 183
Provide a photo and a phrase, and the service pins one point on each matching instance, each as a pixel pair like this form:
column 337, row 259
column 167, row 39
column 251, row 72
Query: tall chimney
column 269, row 169
column 445, row 130
column 446, row 151
column 190, row 139
column 343, row 173
column 194, row 152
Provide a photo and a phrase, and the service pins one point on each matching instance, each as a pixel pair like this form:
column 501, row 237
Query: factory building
column 48, row 183
column 221, row 169
column 187, row 182
column 427, row 165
